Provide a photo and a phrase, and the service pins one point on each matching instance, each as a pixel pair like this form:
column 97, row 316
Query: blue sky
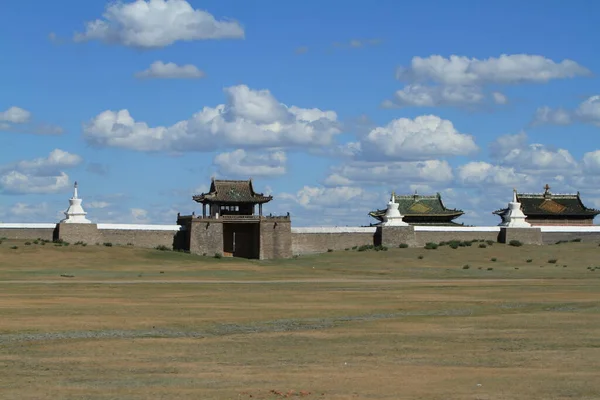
column 326, row 105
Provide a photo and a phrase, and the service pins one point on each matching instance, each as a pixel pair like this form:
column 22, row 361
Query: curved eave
column 259, row 200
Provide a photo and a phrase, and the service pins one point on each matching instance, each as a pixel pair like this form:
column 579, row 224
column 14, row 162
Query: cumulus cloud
column 506, row 69
column 459, row 81
column 15, row 115
column 242, row 163
column 17, row 119
column 591, row 162
column 160, row 70
column 40, row 175
column 587, row 112
column 535, row 158
column 313, row 197
column 479, row 173
column 548, row 116
column 98, row 168
column 422, row 138
column 376, row 173
column 418, row 95
column 157, row 23
column 250, row 118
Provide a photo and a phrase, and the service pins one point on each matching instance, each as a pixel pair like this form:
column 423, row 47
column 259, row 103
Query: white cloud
column 242, row 163
column 429, row 171
column 157, row 23
column 311, row 197
column 358, row 43
column 40, row 175
column 587, row 112
column 250, row 118
column 139, row 215
column 46, row 166
column 513, row 150
column 433, row 96
column 423, row 138
column 548, row 116
column 15, row 115
column 591, row 162
column 98, row 204
column 499, row 98
column 480, row 173
column 15, row 182
column 459, row 81
column 160, row 70
column 506, row 69
column 16, row 119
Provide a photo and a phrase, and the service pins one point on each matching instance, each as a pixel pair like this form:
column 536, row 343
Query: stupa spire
column 515, row 217
column 75, row 213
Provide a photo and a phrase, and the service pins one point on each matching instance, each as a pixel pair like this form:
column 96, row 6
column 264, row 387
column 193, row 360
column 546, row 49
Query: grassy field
column 499, row 322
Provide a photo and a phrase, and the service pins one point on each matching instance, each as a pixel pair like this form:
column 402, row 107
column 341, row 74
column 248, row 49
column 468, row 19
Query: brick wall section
column 311, row 243
column 523, row 235
column 138, row 238
column 275, row 239
column 392, row 236
column 423, row 237
column 72, row 233
column 27, row 233
column 206, row 237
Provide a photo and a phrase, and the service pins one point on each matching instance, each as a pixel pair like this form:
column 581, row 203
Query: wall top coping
column 136, row 227
column 593, row 228
column 457, row 228
column 27, row 226
column 335, row 229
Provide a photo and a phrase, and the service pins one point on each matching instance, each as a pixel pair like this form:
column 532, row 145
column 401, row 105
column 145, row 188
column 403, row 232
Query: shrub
column 490, row 269
column 442, row 243
column 43, row 243
column 218, row 255
column 27, row 243
column 576, row 240
column 482, row 245
column 431, row 246
column 403, row 245
column 0, row 241
column 14, row 247
column 467, row 243
column 107, row 244
column 516, row 267
column 453, row 246
column 529, row 260
column 79, row 243
column 561, row 241
column 162, row 247
column 36, row 242
column 564, row 266
column 129, row 244
column 329, row 250
column 494, row 259
column 466, row 266
column 515, row 243
column 552, row 261
column 364, row 247
column 384, row 248
column 83, row 244
column 420, row 257
column 354, row 247
column 57, row 241
column 489, row 242
column 346, row 249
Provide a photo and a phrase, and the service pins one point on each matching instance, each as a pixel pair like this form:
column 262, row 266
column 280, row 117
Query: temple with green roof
column 553, row 209
column 422, row 210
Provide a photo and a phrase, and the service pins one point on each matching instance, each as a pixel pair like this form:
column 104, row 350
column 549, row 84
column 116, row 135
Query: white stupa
column 515, row 217
column 75, row 213
column 392, row 215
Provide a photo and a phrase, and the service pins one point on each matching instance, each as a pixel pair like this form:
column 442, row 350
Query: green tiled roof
column 412, row 206
column 548, row 204
column 231, row 191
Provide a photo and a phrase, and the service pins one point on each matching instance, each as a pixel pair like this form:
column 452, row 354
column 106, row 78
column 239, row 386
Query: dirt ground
column 124, row 323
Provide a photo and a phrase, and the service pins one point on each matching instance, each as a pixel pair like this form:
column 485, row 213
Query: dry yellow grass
column 343, row 325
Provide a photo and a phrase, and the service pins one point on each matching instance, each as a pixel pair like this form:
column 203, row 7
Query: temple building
column 422, row 210
column 230, row 197
column 230, row 225
column 552, row 209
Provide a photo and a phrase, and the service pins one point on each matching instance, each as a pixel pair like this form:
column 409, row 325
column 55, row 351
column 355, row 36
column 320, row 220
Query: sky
column 328, row 106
